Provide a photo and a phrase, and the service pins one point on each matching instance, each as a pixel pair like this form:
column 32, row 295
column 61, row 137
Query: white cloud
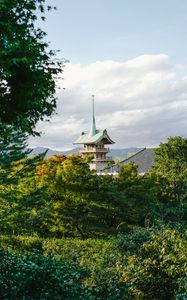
column 141, row 102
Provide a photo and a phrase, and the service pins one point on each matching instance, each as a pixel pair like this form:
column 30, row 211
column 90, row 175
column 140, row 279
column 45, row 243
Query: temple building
column 94, row 142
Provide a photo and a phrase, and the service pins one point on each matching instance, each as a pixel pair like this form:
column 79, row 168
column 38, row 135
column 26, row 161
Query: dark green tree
column 34, row 276
column 69, row 183
column 169, row 175
column 13, row 148
column 83, row 203
column 159, row 268
column 135, row 192
column 23, row 206
column 27, row 66
column 128, row 174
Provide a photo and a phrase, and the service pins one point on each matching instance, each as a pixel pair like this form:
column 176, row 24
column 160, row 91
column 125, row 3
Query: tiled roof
column 87, row 138
column 144, row 159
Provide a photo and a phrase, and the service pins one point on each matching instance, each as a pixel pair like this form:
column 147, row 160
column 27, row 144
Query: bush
column 21, row 243
column 37, row 277
column 159, row 269
column 130, row 243
column 99, row 260
column 144, row 264
column 102, row 259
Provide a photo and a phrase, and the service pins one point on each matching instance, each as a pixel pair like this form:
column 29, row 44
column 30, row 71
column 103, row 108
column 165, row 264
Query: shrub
column 159, row 269
column 130, row 243
column 144, row 264
column 37, row 277
column 101, row 258
column 21, row 243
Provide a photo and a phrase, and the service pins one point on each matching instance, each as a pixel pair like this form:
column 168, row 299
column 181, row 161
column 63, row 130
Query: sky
column 131, row 55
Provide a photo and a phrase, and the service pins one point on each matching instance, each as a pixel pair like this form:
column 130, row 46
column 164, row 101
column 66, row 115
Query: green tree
column 128, row 174
column 159, row 268
column 13, row 148
column 68, row 182
column 136, row 194
column 169, row 175
column 27, row 66
column 83, row 203
column 22, row 202
column 35, row 276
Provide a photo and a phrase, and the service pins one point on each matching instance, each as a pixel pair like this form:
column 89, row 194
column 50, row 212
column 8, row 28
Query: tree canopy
column 169, row 176
column 122, row 237
column 27, row 66
column 13, row 148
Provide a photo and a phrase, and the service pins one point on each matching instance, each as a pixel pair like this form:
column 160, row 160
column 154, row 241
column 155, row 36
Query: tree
column 13, row 148
column 83, row 203
column 159, row 268
column 34, row 276
column 23, row 208
column 135, row 193
column 68, row 181
column 27, row 67
column 169, row 175
column 128, row 174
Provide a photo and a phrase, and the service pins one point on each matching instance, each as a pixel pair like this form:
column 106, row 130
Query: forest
column 66, row 232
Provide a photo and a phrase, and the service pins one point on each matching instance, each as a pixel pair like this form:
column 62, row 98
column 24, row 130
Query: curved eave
column 107, row 138
column 86, row 139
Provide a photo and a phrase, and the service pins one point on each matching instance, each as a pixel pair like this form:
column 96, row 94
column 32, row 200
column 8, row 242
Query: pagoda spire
column 93, row 129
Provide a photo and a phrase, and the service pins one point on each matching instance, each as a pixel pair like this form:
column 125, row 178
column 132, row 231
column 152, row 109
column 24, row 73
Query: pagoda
column 94, row 142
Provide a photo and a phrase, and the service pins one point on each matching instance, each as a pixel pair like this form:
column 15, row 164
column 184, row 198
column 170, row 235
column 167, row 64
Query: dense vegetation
column 27, row 67
column 103, row 237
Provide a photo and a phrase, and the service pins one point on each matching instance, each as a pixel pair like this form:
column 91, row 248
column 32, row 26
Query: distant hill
column 117, row 154
column 51, row 152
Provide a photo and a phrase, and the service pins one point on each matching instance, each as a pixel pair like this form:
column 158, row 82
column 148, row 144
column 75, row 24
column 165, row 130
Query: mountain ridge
column 116, row 153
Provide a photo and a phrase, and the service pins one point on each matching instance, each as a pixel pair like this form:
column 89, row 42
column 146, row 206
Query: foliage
column 62, row 197
column 136, row 192
column 68, row 180
column 37, row 277
column 83, row 203
column 131, row 242
column 27, row 67
column 101, row 260
column 159, row 269
column 169, row 177
column 143, row 264
column 21, row 244
column 59, row 196
column 128, row 174
column 13, row 148
column 20, row 196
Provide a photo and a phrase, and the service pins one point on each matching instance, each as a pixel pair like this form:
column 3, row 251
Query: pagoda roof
column 100, row 135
